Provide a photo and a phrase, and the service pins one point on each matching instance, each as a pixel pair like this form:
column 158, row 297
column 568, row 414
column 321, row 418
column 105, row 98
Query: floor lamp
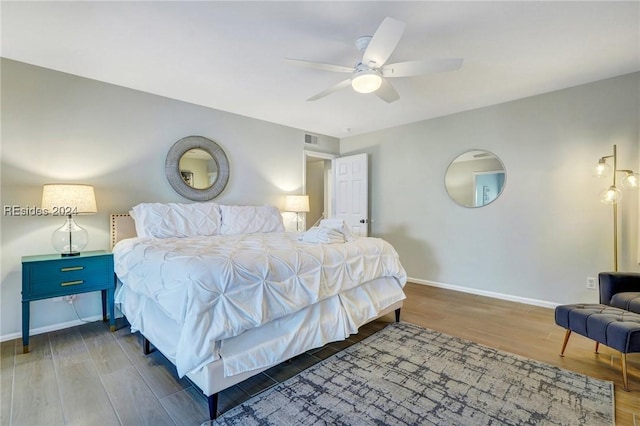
column 612, row 195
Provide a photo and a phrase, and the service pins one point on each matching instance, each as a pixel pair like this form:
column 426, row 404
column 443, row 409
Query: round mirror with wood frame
column 197, row 168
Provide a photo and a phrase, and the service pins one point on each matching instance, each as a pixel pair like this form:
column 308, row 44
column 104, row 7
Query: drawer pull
column 72, row 268
column 67, row 283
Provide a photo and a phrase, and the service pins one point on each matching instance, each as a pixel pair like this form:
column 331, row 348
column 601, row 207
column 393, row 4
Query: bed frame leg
column 213, row 406
column 398, row 315
column 146, row 349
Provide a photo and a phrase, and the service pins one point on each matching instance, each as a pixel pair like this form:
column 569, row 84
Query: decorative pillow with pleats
column 250, row 219
column 166, row 220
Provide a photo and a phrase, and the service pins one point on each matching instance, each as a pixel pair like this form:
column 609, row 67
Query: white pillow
column 250, row 219
column 165, row 220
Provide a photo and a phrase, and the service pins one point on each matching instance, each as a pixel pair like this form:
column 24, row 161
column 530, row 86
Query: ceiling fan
column 370, row 74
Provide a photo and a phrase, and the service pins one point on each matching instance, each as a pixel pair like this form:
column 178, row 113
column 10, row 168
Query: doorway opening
column 317, row 183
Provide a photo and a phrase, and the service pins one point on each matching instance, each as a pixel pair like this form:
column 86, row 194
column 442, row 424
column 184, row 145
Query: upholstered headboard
column 122, row 226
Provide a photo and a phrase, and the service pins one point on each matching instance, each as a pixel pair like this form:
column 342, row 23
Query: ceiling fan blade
column 330, row 90
column 411, row 68
column 320, row 65
column 383, row 42
column 386, row 92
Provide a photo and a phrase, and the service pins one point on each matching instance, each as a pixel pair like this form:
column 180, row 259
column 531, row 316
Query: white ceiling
column 229, row 55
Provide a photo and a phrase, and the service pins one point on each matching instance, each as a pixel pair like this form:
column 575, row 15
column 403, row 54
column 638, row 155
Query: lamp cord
column 76, row 311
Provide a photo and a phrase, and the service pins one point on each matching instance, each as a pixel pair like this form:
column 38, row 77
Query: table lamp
column 69, row 200
column 297, row 204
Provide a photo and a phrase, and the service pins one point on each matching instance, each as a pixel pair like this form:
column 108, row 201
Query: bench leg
column 566, row 340
column 625, row 379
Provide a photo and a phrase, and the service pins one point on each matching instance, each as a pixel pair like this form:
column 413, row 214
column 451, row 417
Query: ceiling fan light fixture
column 366, row 81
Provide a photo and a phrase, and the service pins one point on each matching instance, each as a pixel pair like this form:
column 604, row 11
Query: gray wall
column 548, row 231
column 539, row 241
column 61, row 128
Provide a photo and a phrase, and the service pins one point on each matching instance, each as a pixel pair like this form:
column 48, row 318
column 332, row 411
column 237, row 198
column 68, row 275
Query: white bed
column 224, row 308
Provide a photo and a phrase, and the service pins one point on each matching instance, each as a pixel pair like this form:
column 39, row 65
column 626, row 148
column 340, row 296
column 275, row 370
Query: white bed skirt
column 238, row 358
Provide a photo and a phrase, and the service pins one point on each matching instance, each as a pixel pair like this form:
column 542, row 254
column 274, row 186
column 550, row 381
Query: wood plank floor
column 88, row 376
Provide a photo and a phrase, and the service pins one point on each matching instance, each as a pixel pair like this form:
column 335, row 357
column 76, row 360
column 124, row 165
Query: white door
column 352, row 192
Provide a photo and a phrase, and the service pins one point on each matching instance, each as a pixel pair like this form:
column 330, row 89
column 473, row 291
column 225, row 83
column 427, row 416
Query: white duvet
column 217, row 287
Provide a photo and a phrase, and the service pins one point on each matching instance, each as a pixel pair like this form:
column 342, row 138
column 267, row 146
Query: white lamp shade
column 297, row 203
column 65, row 199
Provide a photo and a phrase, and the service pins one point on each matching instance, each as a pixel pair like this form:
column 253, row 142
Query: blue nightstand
column 52, row 275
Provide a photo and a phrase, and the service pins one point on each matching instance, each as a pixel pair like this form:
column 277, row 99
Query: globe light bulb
column 611, row 195
column 602, row 169
column 631, row 181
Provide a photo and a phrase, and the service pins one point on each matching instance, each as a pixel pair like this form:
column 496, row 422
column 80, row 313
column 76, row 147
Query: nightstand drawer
column 69, row 270
column 74, row 283
column 67, row 276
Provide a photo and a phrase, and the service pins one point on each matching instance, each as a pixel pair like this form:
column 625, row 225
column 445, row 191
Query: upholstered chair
column 621, row 290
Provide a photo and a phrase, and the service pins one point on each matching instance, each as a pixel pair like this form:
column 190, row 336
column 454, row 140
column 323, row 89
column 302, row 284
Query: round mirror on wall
column 475, row 178
column 197, row 168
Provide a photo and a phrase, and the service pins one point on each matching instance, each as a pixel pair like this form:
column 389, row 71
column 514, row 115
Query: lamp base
column 298, row 220
column 77, row 253
column 69, row 239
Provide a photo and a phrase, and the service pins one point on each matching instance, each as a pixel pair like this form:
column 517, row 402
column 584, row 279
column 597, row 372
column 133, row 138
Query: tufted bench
column 617, row 328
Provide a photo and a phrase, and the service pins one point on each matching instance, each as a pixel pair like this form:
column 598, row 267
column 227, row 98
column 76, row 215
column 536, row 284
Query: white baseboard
column 48, row 328
column 525, row 300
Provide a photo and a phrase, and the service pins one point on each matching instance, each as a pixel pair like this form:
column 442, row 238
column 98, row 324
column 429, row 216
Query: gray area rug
column 408, row 375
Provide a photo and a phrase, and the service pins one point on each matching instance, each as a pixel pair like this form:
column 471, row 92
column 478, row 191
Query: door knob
column 364, row 220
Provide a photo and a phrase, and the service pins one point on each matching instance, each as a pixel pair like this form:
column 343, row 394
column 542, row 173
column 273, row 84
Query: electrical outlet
column 69, row 298
column 591, row 283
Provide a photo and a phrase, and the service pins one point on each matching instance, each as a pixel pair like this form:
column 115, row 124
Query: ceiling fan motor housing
column 363, row 42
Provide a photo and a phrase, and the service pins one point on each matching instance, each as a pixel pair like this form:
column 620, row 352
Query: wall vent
column 311, row 139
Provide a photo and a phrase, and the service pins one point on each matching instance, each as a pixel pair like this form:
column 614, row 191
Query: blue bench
column 616, row 328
